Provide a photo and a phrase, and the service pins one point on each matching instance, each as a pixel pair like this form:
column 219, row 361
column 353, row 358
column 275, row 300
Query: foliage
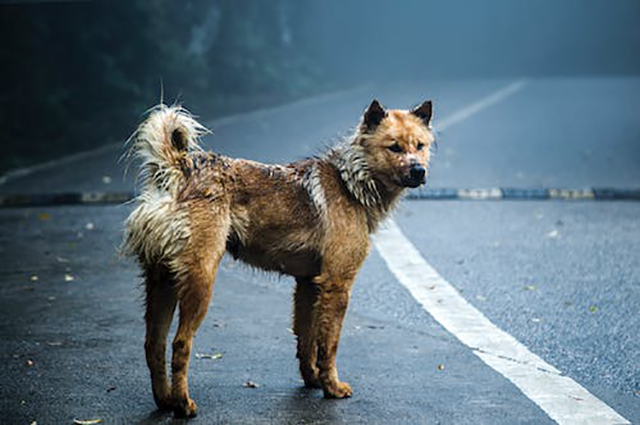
column 80, row 74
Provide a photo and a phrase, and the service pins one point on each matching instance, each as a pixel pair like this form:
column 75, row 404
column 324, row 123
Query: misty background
column 79, row 74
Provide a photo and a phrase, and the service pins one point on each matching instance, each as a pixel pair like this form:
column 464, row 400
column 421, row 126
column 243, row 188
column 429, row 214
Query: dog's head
column 397, row 143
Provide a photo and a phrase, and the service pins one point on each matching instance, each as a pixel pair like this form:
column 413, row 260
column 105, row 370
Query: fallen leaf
column 29, row 363
column 536, row 319
column 86, row 421
column 440, row 367
column 530, row 287
column 215, row 356
column 593, row 309
column 481, row 298
column 290, row 330
column 34, row 278
column 54, row 343
column 553, row 234
column 62, row 259
column 69, row 277
column 251, row 384
column 45, row 216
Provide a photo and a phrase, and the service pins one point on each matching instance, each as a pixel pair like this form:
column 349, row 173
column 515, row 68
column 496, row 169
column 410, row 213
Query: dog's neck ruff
column 350, row 161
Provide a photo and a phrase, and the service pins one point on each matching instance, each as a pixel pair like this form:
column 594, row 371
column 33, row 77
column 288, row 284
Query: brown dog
column 310, row 219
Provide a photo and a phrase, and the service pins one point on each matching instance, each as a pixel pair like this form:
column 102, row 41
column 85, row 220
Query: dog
column 310, row 219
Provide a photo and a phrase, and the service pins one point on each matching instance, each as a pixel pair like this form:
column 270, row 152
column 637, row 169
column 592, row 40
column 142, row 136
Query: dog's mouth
column 412, row 182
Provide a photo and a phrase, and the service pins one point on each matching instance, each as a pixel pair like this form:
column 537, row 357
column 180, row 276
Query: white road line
column 216, row 123
column 474, row 108
column 563, row 399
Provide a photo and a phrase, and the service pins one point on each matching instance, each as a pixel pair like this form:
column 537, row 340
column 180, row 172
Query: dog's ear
column 374, row 115
column 424, row 112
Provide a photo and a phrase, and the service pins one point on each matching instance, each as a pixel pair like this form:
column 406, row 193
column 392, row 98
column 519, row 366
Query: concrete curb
column 437, row 194
column 496, row 194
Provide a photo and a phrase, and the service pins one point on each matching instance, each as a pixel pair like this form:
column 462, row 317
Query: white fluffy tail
column 162, row 144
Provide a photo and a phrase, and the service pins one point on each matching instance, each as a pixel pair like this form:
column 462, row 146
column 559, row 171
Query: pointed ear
column 424, row 112
column 374, row 115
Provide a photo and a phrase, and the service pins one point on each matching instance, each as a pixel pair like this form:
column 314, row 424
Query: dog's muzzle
column 417, row 176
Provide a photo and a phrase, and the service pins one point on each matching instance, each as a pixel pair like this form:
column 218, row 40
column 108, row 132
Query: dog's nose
column 417, row 172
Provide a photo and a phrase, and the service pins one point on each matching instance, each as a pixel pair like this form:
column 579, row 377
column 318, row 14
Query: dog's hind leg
column 200, row 261
column 160, row 306
column 305, row 297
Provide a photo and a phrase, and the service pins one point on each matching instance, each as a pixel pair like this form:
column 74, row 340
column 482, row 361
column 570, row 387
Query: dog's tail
column 162, row 143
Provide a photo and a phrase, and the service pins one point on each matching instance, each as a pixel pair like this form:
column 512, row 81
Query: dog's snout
column 417, row 172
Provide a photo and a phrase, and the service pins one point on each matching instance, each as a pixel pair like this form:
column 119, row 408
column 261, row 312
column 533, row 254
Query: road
column 561, row 277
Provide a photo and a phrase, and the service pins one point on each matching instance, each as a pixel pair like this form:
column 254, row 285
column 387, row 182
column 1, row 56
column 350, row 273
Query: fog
column 467, row 39
column 79, row 74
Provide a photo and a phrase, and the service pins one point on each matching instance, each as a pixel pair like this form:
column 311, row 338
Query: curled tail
column 158, row 228
column 162, row 143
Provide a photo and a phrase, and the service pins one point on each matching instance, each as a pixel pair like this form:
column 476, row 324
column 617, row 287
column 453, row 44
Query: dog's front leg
column 331, row 306
column 304, row 301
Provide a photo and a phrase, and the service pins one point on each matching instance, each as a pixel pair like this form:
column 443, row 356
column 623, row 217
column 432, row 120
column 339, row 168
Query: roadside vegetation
column 77, row 75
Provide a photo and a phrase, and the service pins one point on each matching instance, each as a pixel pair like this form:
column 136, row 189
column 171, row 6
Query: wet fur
column 310, row 219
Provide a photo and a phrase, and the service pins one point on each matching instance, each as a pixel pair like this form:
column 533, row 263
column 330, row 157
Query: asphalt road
column 561, row 277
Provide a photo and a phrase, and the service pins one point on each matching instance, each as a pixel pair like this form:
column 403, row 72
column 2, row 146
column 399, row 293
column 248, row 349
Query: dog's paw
column 185, row 409
column 338, row 390
column 311, row 382
column 164, row 403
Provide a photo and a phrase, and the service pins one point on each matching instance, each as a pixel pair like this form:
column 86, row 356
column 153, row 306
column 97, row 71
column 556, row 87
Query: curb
column 524, row 194
column 437, row 194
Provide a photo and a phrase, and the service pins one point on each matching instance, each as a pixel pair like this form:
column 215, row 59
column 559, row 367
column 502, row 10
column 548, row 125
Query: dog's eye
column 420, row 146
column 395, row 148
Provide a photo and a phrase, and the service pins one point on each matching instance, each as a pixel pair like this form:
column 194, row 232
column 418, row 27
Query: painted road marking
column 22, row 172
column 560, row 397
column 484, row 103
column 216, row 123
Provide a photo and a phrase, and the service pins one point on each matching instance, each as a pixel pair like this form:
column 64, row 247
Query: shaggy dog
column 310, row 219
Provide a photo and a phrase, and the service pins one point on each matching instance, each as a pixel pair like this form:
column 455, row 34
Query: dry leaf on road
column 86, row 421
column 215, row 356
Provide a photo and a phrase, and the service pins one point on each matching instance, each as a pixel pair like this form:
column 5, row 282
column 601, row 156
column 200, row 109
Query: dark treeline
column 75, row 75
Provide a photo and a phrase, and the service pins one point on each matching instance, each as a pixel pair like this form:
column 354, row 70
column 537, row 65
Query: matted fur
column 309, row 219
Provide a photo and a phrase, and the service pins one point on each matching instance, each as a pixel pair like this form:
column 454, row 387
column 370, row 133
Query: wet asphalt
column 561, row 277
